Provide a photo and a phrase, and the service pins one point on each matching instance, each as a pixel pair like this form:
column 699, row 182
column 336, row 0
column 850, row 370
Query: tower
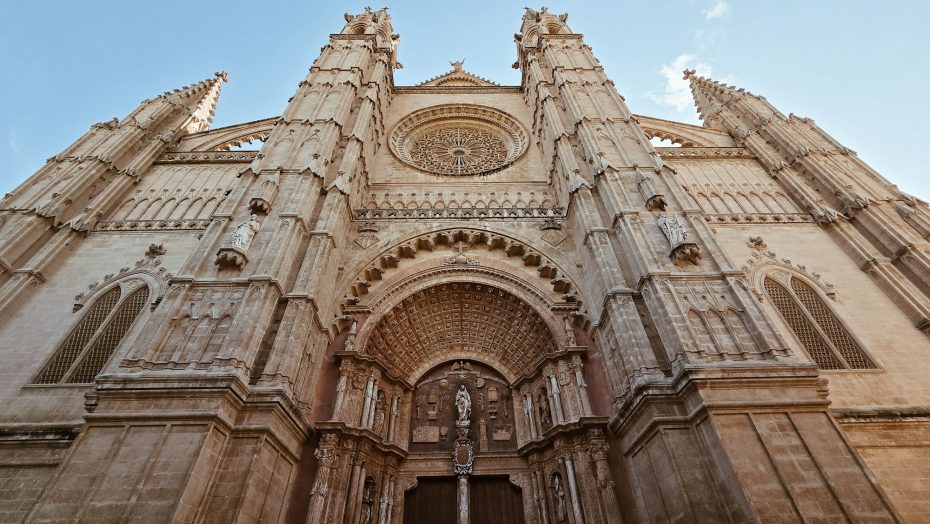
column 461, row 302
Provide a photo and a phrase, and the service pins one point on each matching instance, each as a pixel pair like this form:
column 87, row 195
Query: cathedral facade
column 462, row 302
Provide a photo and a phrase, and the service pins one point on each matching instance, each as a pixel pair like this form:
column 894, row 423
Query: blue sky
column 858, row 68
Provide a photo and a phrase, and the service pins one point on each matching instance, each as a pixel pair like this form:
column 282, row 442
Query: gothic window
column 89, row 345
column 828, row 342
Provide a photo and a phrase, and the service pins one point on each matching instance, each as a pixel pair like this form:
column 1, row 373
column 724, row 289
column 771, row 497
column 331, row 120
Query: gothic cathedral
column 461, row 302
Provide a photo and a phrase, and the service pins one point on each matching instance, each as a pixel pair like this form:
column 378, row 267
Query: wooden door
column 494, row 500
column 432, row 501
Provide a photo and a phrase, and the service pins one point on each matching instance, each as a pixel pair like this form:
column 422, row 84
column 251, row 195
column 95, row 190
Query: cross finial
column 460, row 246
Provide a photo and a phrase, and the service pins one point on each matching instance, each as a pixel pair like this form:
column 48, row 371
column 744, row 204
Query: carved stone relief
column 439, row 405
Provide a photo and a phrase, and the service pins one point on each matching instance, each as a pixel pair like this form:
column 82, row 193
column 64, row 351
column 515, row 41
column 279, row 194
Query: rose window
column 458, row 140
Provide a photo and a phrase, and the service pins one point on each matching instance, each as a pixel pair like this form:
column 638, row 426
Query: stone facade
column 733, row 329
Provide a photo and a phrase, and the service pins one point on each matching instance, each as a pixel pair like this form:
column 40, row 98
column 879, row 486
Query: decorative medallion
column 458, row 140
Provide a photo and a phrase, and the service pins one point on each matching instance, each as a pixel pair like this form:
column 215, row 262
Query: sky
column 857, row 68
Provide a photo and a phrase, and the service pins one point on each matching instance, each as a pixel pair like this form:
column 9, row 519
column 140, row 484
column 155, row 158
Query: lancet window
column 94, row 337
column 825, row 338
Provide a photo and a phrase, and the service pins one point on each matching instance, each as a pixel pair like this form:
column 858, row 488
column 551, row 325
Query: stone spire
column 78, row 186
column 847, row 196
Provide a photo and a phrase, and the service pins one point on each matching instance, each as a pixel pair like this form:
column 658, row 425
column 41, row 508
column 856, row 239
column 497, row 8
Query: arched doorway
column 394, row 419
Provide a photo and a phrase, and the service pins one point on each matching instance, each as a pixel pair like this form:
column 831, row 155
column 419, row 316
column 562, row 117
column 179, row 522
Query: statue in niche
column 561, row 516
column 419, row 405
column 542, row 403
column 463, row 406
column 368, row 499
column 673, row 228
column 245, row 232
column 569, row 331
column 378, row 426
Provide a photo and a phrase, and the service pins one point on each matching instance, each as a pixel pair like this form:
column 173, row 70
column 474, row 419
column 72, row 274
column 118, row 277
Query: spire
column 199, row 98
column 711, row 96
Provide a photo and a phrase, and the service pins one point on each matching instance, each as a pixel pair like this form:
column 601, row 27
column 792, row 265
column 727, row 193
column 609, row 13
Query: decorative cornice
column 453, row 90
column 206, row 156
column 704, row 152
column 151, row 225
column 486, row 213
column 759, row 218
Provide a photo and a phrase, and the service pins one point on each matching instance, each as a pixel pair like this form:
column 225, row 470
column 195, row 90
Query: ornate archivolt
column 460, row 317
column 458, row 139
column 765, row 263
column 506, row 251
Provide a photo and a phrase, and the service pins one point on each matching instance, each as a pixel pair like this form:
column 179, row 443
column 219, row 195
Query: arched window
column 92, row 340
column 824, row 337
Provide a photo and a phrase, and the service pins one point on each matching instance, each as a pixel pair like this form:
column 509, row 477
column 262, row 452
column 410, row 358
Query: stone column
column 340, row 395
column 539, row 495
column 605, row 482
column 573, row 488
column 393, row 424
column 556, row 398
column 530, row 413
column 582, row 386
column 385, row 497
column 366, row 404
column 355, row 486
column 463, row 499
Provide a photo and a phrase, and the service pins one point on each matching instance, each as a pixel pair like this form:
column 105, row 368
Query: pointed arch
column 90, row 343
column 823, row 336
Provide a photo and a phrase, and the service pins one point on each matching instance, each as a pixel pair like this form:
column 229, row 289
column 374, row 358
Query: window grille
column 825, row 339
column 849, row 350
column 81, row 333
column 92, row 341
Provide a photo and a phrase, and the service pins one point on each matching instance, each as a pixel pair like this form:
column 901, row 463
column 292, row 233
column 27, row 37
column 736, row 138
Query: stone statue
column 673, row 228
column 542, row 403
column 561, row 516
column 569, row 331
column 245, row 232
column 379, row 415
column 463, row 406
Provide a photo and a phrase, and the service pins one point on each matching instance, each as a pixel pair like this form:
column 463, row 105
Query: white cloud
column 719, row 9
column 677, row 91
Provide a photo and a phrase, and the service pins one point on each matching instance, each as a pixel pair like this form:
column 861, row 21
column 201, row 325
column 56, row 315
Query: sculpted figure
column 560, row 514
column 245, row 232
column 542, row 403
column 673, row 228
column 463, row 405
column 569, row 331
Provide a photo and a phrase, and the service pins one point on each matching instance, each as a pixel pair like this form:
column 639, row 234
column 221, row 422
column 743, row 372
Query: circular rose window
column 458, row 140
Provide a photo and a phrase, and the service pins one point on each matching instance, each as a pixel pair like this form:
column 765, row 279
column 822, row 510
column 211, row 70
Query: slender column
column 340, row 395
column 557, row 399
column 605, row 483
column 366, row 404
column 573, row 489
column 539, row 494
column 371, row 409
column 582, row 387
column 354, row 487
column 390, row 508
column 393, row 425
column 530, row 415
column 463, row 499
column 385, row 498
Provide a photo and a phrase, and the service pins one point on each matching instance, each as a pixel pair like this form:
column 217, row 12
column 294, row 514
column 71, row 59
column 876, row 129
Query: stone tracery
column 457, row 140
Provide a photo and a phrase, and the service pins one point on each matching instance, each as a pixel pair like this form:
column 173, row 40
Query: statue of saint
column 463, row 405
column 673, row 228
column 561, row 516
column 245, row 232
